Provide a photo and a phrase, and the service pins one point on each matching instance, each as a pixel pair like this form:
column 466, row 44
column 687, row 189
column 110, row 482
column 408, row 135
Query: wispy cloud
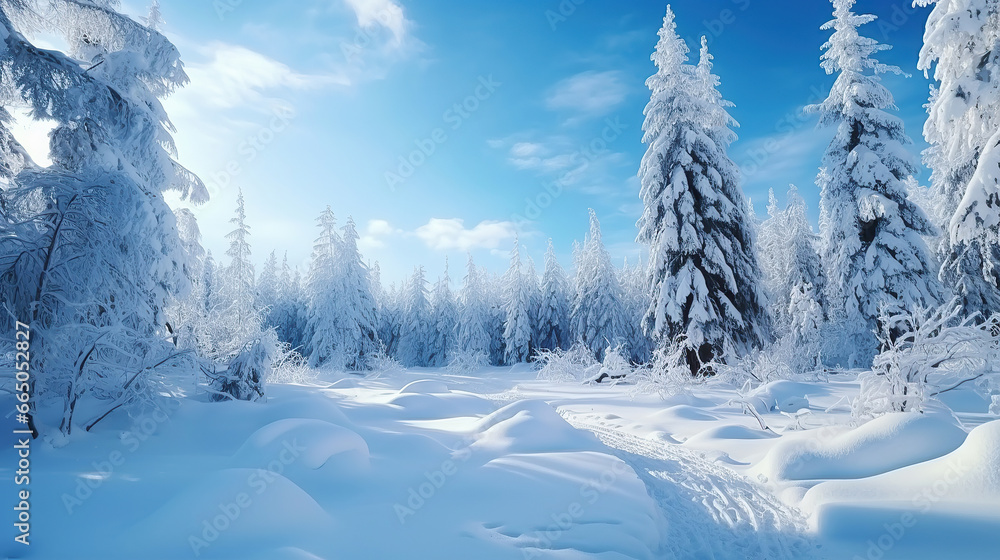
column 385, row 13
column 589, row 93
column 589, row 165
column 231, row 76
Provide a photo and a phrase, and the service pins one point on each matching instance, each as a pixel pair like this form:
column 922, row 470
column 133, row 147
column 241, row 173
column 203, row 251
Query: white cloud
column 385, row 13
column 592, row 93
column 444, row 234
column 235, row 76
column 376, row 233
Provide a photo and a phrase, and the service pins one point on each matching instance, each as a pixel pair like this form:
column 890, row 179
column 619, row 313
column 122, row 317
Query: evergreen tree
column 268, row 289
column 445, row 313
column 636, row 301
column 534, row 290
column 209, row 283
column 517, row 303
column 321, row 329
column 961, row 45
column 417, row 328
column 473, row 336
column 94, row 253
column 789, row 260
column 553, row 310
column 238, row 287
column 598, row 314
column 871, row 232
column 288, row 313
column 703, row 270
column 357, row 312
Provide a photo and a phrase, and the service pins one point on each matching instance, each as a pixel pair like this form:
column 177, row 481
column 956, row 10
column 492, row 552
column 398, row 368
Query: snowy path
column 709, row 511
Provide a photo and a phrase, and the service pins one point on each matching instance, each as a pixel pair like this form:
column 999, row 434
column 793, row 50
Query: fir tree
column 872, row 245
column 703, row 270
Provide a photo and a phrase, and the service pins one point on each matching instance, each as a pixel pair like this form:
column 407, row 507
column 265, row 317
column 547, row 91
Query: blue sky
column 309, row 103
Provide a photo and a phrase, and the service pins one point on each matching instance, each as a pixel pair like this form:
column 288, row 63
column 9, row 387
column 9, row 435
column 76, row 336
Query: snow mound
column 230, row 513
column 884, row 444
column 728, row 431
column 782, row 396
column 424, row 387
column 681, row 412
column 304, row 443
column 305, row 407
column 531, row 427
column 345, row 383
column 969, row 474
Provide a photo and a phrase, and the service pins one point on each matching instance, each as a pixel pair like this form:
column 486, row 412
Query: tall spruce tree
column 553, row 310
column 962, row 46
column 872, row 245
column 598, row 313
column 703, row 271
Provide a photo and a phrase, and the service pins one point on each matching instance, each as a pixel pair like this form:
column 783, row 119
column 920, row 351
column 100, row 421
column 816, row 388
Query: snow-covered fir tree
column 209, row 282
column 517, row 306
column 321, row 291
column 288, row 313
column 188, row 316
column 534, row 289
column 445, row 314
column 597, row 315
column 872, row 245
column 636, row 301
column 268, row 288
column 702, row 270
column 417, row 330
column 235, row 316
column 103, row 254
column 357, row 313
column 474, row 320
column 496, row 316
column 552, row 324
column 961, row 46
column 789, row 260
column 391, row 313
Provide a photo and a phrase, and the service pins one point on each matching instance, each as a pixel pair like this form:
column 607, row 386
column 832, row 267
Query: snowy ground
column 425, row 464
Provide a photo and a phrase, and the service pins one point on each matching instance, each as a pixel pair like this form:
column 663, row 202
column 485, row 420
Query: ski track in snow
column 709, row 512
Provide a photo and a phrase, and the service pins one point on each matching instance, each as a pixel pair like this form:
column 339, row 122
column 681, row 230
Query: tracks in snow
column 708, row 510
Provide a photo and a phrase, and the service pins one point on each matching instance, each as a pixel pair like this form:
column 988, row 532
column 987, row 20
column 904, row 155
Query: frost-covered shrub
column 777, row 361
column 291, row 367
column 245, row 376
column 926, row 353
column 566, row 365
column 668, row 373
column 380, row 363
column 467, row 361
column 614, row 367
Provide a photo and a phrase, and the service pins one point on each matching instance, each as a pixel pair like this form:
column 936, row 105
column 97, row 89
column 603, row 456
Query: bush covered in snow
column 248, row 371
column 668, row 373
column 566, row 365
column 381, row 363
column 467, row 361
column 926, row 353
